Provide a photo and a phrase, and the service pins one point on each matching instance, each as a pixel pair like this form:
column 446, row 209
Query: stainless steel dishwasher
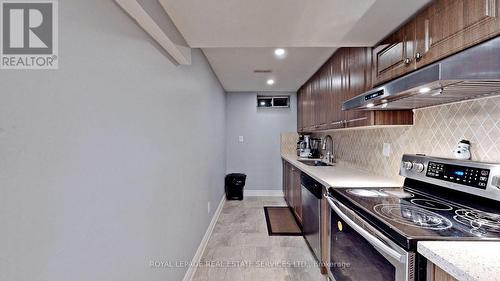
column 311, row 192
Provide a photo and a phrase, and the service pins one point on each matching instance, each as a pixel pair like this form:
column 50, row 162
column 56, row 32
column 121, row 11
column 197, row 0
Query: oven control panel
column 477, row 178
column 470, row 176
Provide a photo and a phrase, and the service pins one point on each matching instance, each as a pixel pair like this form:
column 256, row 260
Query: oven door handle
column 368, row 236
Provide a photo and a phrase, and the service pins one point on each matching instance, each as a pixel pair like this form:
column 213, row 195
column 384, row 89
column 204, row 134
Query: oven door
column 360, row 252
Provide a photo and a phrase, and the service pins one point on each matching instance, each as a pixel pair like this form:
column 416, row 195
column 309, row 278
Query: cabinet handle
column 418, row 56
column 407, row 61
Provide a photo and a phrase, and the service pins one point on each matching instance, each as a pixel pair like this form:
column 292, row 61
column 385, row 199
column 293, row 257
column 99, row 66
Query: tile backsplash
column 289, row 143
column 435, row 132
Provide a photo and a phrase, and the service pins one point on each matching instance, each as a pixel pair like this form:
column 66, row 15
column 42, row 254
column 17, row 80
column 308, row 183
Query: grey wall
column 259, row 155
column 94, row 178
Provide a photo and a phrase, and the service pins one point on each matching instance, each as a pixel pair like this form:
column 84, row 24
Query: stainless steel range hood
column 470, row 74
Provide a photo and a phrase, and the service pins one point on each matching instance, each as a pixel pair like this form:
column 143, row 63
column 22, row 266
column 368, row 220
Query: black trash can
column 234, row 186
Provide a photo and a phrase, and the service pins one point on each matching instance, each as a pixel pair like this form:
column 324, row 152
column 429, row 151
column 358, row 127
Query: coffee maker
column 315, row 145
column 303, row 146
column 308, row 147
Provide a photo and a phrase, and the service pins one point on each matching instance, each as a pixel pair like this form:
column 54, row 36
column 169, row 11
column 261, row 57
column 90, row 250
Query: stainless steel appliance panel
column 311, row 221
column 360, row 252
column 311, row 192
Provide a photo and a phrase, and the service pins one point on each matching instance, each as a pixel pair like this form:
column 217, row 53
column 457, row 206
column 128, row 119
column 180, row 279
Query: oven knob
column 496, row 181
column 418, row 167
column 407, row 165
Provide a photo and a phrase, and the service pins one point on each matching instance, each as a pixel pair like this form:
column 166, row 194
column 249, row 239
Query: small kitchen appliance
column 308, row 147
column 377, row 230
column 305, row 147
column 315, row 144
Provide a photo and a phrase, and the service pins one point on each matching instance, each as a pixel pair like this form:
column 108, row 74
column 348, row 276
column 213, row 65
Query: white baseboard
column 263, row 193
column 203, row 244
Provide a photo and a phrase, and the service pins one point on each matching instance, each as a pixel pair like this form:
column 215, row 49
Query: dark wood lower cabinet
column 291, row 189
column 438, row 274
column 297, row 196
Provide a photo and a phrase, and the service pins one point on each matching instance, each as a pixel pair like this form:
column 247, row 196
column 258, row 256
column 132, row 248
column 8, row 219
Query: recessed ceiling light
column 279, row 52
column 270, row 82
column 424, row 90
column 370, row 105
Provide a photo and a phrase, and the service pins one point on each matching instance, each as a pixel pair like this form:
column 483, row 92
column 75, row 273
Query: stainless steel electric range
column 374, row 232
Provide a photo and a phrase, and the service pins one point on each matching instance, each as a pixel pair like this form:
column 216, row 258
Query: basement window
column 276, row 102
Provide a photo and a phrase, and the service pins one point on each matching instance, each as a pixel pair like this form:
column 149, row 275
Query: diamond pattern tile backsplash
column 289, row 143
column 435, row 132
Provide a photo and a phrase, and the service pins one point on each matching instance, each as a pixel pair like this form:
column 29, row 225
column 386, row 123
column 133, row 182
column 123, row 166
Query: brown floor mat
column 281, row 222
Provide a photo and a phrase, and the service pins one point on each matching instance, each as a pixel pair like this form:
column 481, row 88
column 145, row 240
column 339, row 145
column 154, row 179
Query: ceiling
column 235, row 67
column 238, row 36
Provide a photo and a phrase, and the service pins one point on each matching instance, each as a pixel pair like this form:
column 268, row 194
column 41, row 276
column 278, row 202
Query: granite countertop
column 341, row 176
column 464, row 260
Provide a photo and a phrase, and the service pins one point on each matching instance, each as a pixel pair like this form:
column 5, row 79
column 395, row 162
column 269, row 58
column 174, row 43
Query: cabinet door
column 308, row 108
column 440, row 275
column 323, row 97
column 286, row 179
column 337, row 80
column 300, row 105
column 291, row 190
column 297, row 197
column 359, row 61
column 449, row 26
column 316, row 99
column 394, row 56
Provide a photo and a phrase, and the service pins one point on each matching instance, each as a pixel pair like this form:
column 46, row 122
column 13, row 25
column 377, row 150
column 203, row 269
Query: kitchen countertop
column 464, row 260
column 341, row 176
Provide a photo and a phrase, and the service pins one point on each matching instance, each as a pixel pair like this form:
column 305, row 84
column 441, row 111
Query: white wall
column 95, row 180
column 259, row 155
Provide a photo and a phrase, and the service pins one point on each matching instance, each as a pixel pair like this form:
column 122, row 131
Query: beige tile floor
column 240, row 248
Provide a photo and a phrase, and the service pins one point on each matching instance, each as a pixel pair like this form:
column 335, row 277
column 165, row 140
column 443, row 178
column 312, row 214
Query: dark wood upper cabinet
column 442, row 28
column 308, row 103
column 346, row 74
column 358, row 80
column 337, row 82
column 300, row 107
column 449, row 26
column 394, row 56
column 323, row 97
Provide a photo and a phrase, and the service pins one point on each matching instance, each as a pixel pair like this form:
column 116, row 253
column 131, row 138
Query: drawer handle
column 407, row 61
column 418, row 56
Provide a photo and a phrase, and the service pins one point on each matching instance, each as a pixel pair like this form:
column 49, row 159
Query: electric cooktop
column 432, row 207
